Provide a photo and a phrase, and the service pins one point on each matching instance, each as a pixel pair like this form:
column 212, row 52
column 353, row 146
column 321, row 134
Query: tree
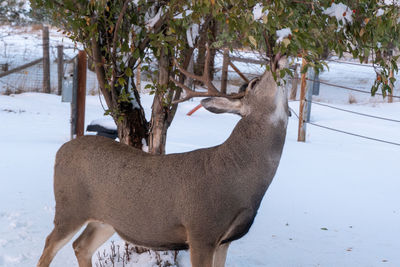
column 117, row 34
column 14, row 11
column 362, row 28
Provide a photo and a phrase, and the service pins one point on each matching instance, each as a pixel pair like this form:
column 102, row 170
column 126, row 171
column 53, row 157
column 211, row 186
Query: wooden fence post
column 81, row 94
column 60, row 67
column 390, row 99
column 224, row 75
column 295, row 83
column 302, row 125
column 46, row 61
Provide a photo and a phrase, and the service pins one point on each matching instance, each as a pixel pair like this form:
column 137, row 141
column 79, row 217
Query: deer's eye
column 243, row 87
column 253, row 83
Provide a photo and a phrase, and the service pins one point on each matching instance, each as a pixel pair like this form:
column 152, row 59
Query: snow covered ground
column 334, row 202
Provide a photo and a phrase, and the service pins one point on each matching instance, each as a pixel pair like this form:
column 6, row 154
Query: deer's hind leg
column 94, row 235
column 61, row 234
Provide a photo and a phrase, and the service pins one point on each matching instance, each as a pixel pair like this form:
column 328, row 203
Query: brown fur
column 200, row 199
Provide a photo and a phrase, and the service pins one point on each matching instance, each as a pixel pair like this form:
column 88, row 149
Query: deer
column 200, row 200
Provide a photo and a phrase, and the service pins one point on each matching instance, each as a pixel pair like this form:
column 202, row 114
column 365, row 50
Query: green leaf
column 128, row 72
column 121, row 81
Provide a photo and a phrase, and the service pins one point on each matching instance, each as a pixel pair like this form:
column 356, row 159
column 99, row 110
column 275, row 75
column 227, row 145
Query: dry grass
column 19, row 90
column 118, row 256
column 36, row 27
column 93, row 91
column 352, row 99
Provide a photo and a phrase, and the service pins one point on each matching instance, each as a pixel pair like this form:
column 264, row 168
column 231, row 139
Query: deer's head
column 261, row 96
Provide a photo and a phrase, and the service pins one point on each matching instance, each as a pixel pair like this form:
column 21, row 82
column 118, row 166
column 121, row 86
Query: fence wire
column 346, row 132
column 30, row 79
column 353, row 112
column 350, row 63
column 348, row 88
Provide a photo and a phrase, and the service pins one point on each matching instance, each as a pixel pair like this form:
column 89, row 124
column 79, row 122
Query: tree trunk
column 159, row 127
column 199, row 65
column 163, row 112
column 133, row 126
column 201, row 56
column 159, row 122
column 224, row 76
column 131, row 121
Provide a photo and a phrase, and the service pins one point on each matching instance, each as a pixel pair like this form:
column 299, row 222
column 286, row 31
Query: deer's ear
column 223, row 105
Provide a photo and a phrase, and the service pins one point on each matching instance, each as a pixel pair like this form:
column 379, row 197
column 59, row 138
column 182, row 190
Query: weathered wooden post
column 46, row 61
column 81, row 94
column 302, row 125
column 390, row 99
column 60, row 67
column 224, row 75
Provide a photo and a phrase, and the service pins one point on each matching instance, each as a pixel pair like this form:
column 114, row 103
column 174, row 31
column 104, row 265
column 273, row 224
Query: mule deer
column 202, row 200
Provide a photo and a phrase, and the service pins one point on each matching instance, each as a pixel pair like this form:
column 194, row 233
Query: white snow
column 258, row 12
column 341, row 12
column 186, row 13
column 192, row 33
column 282, row 34
column 392, row 2
column 380, row 12
column 153, row 21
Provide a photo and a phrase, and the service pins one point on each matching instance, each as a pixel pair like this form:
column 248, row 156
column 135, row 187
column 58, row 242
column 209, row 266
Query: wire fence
column 353, row 112
column 20, row 48
column 347, row 111
column 348, row 88
column 350, row 63
column 346, row 132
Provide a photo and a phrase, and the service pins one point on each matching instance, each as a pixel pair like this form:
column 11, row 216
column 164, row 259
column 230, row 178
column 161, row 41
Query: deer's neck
column 255, row 145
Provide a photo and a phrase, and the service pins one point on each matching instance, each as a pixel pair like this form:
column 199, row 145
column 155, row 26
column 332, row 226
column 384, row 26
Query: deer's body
column 200, row 200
